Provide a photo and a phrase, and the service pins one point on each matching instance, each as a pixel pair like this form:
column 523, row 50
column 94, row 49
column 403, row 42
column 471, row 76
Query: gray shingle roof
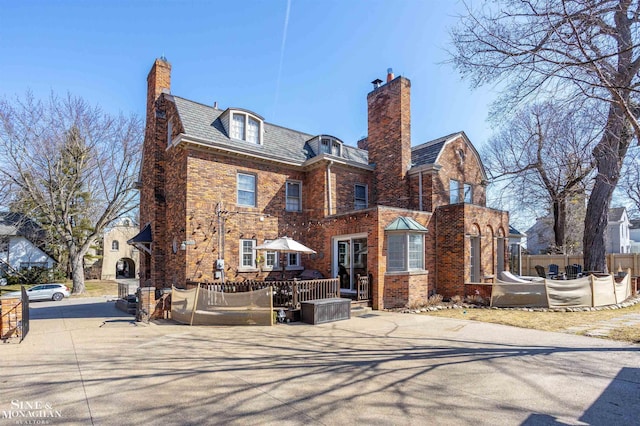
column 203, row 122
column 12, row 224
column 427, row 153
column 615, row 214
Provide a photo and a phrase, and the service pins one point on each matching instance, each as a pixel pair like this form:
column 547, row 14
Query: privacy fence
column 203, row 306
column 589, row 291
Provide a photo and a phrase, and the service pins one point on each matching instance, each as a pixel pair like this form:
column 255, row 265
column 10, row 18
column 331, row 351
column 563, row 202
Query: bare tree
column 630, row 184
column 584, row 50
column 71, row 166
column 544, row 155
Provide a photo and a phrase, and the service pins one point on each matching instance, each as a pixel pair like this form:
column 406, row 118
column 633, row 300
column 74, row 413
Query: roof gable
column 429, row 153
column 617, row 214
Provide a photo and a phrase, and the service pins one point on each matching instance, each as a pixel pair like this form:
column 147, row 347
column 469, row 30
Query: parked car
column 53, row 291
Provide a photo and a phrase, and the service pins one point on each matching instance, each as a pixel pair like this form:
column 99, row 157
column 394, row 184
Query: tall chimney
column 152, row 190
column 158, row 80
column 389, row 140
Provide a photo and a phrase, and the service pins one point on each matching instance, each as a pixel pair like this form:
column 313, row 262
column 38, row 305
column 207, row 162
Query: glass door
column 350, row 260
column 344, row 264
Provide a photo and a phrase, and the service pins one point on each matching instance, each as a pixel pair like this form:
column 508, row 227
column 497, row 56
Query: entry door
column 350, row 260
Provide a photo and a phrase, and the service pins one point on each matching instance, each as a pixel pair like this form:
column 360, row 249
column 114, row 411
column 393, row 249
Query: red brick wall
column 343, row 186
column 464, row 171
column 389, row 141
column 455, row 224
column 452, row 257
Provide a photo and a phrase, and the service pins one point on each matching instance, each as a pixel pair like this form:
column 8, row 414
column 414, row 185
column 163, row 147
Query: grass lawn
column 93, row 288
column 551, row 321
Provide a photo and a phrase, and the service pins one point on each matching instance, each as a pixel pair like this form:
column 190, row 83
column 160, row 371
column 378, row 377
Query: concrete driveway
column 84, row 362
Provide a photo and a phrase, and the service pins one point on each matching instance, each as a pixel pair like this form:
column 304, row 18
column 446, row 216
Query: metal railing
column 123, row 290
column 364, row 288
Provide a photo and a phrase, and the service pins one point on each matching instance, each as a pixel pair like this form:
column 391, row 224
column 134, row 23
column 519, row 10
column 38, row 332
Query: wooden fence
column 615, row 261
column 14, row 317
column 286, row 294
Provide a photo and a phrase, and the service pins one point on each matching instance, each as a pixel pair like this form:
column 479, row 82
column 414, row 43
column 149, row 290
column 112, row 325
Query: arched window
column 115, row 245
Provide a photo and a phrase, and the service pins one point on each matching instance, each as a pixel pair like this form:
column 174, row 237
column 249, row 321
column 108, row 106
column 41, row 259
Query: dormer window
column 330, row 146
column 245, row 127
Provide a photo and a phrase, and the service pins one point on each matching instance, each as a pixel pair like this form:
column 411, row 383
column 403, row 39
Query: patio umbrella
column 285, row 245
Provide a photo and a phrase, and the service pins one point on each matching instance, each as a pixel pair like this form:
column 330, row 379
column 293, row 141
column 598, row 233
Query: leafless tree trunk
column 584, row 51
column 71, row 167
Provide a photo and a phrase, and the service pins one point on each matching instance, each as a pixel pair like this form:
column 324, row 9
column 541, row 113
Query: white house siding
column 23, row 252
column 618, row 238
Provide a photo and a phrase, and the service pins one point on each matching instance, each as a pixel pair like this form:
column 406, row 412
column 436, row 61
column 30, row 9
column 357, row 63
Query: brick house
column 214, row 183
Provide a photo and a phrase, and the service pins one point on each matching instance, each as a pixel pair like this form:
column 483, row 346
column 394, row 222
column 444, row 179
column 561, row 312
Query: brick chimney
column 389, row 140
column 152, row 189
column 158, row 80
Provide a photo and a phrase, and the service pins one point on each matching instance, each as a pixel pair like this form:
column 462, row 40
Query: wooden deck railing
column 286, row 294
column 11, row 320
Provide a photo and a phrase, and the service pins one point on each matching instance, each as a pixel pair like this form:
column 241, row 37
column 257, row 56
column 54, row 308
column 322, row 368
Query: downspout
column 329, row 200
column 420, row 189
column 435, row 255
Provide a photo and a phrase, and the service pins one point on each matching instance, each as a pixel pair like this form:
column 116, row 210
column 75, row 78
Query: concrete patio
column 91, row 364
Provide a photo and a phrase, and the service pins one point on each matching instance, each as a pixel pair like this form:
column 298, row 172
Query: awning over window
column 143, row 239
column 403, row 223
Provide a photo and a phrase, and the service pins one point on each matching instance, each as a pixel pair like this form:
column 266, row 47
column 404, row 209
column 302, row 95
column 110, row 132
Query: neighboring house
column 634, row 235
column 216, row 183
column 21, row 244
column 540, row 236
column 618, row 237
column 119, row 260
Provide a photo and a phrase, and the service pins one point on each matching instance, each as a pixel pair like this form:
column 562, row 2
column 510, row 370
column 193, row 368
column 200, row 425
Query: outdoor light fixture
column 184, row 244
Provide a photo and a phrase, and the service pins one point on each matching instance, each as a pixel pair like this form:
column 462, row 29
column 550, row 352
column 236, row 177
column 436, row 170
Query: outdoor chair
column 554, row 271
column 579, row 269
column 540, row 271
column 572, row 272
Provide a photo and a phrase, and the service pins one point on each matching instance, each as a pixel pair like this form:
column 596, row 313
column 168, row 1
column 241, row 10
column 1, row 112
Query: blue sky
column 314, row 80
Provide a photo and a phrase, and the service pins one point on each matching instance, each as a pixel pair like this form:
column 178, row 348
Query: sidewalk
column 93, row 365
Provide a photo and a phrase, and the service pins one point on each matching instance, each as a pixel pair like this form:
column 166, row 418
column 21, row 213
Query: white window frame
column 400, row 248
column 296, row 265
column 454, row 188
column 468, row 193
column 356, row 200
column 255, row 186
column 115, row 245
column 330, row 146
column 276, row 259
column 245, row 130
column 287, row 196
column 244, row 250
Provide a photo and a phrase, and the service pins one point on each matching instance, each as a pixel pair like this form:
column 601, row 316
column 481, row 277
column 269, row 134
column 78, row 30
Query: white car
column 52, row 291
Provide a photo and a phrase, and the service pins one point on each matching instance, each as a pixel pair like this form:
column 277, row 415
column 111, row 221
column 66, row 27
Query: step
column 357, row 310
